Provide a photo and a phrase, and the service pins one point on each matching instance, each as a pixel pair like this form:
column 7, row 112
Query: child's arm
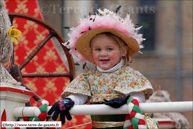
column 138, row 95
column 78, row 99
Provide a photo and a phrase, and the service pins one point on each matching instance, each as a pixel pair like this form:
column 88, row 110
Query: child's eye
column 109, row 49
column 97, row 49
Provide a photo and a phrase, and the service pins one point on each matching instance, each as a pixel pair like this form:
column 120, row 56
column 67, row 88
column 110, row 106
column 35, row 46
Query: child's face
column 106, row 52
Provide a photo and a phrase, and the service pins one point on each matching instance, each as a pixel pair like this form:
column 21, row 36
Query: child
column 107, row 41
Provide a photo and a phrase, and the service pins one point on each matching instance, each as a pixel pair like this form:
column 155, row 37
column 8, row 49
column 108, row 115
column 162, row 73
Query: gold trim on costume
column 22, row 111
column 99, row 124
column 104, row 94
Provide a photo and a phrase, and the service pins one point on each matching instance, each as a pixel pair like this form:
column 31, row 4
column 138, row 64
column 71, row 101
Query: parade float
column 15, row 94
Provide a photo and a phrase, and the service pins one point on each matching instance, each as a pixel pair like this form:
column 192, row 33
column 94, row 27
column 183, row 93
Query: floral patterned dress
column 98, row 86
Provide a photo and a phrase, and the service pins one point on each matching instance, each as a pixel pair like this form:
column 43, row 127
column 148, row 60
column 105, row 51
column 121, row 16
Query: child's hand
column 62, row 107
column 116, row 102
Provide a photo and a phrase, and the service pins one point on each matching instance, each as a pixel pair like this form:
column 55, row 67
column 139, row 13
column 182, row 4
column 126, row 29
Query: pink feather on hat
column 105, row 20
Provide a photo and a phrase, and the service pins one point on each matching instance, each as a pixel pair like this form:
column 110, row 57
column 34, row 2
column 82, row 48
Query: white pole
column 101, row 109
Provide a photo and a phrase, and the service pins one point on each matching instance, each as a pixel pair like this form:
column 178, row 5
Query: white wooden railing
column 101, row 109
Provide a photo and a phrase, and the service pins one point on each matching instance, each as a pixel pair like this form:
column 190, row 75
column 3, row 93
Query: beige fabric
column 98, row 124
column 6, row 45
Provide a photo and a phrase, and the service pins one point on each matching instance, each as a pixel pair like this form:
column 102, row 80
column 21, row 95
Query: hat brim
column 83, row 43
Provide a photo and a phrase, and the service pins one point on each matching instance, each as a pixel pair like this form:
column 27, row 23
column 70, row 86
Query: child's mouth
column 104, row 60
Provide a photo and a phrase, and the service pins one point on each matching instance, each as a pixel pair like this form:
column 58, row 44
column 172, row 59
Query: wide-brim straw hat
column 84, row 48
column 81, row 35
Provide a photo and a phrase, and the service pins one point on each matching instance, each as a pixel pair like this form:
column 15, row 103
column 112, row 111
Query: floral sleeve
column 79, row 85
column 133, row 81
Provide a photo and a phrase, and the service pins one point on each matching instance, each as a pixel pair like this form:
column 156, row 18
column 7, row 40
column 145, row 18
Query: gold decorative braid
column 105, row 94
column 22, row 111
column 99, row 124
column 150, row 123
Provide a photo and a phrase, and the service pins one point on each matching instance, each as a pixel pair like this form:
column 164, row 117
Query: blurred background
column 167, row 26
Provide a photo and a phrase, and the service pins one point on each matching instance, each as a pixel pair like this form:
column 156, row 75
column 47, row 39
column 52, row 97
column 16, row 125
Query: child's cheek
column 95, row 57
column 114, row 55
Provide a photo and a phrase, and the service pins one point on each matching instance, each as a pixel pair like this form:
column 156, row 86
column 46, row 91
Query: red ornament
column 42, row 116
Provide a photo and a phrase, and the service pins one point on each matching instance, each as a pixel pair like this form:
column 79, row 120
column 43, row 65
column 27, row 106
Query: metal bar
column 102, row 109
column 179, row 53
